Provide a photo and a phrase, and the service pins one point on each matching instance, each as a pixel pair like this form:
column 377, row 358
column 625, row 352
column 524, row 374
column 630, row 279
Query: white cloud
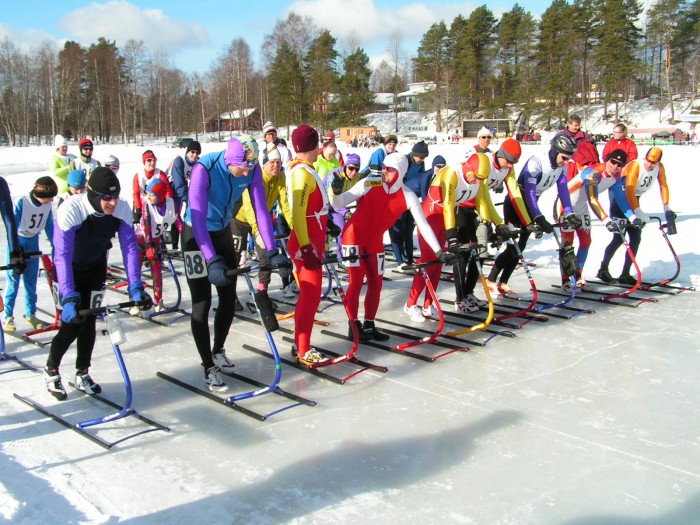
column 25, row 39
column 120, row 21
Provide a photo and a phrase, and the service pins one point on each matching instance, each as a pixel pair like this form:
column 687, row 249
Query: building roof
column 237, row 114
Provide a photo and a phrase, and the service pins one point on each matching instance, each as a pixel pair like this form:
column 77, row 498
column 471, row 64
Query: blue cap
column 77, row 179
column 353, row 159
column 439, row 159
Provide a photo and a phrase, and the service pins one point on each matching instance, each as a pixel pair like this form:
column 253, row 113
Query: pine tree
column 354, row 95
column 286, row 86
column 430, row 63
column 321, row 78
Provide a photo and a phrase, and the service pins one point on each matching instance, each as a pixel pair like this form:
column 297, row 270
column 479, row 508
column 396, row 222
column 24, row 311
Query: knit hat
column 439, row 159
column 484, row 132
column 329, row 136
column 193, row 145
column 510, row 150
column 103, row 181
column 618, row 156
column 304, row 138
column 159, row 188
column 270, row 152
column 241, row 151
column 391, row 139
column 85, row 142
column 148, row 154
column 654, row 154
column 45, row 187
column 269, row 127
column 77, row 179
column 353, row 159
column 59, row 141
column 420, row 149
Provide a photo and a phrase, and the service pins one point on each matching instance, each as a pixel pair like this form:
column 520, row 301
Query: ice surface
column 582, row 421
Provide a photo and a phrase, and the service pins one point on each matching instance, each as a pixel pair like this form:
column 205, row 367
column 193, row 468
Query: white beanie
column 268, row 126
column 59, row 141
column 269, row 152
column 484, row 132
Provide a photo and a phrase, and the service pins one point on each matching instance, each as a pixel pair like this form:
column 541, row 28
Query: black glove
column 137, row 215
column 498, row 188
column 216, row 268
column 573, row 221
column 452, row 241
column 638, row 223
column 670, row 222
column 337, row 184
column 270, row 254
column 446, row 258
column 543, row 224
column 503, row 231
column 670, row 216
column 17, row 260
column 613, row 226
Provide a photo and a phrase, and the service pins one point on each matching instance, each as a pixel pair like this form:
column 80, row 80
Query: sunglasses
column 618, row 163
column 86, row 147
column 352, row 168
column 105, row 196
column 565, row 158
column 486, row 137
column 439, row 166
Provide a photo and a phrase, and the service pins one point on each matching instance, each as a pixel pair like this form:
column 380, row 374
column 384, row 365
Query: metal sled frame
column 272, row 388
column 567, row 300
column 175, row 308
column 123, row 411
column 524, row 311
column 473, row 254
column 636, row 286
column 666, row 283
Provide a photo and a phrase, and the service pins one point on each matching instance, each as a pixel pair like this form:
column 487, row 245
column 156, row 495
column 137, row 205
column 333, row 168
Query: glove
column 498, row 188
column 572, row 221
column 270, row 254
column 337, row 184
column 446, row 258
column 670, row 216
column 216, row 268
column 17, row 261
column 137, row 215
column 639, row 213
column 310, row 261
column 138, row 294
column 71, row 303
column 503, row 231
column 543, row 224
column 612, row 226
column 333, row 229
column 638, row 223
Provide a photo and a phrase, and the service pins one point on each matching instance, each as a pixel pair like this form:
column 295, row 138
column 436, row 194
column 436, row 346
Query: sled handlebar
column 248, row 269
column 104, row 309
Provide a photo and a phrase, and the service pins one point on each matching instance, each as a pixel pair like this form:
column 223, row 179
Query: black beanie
column 45, row 187
column 102, row 181
column 193, row 145
column 420, row 149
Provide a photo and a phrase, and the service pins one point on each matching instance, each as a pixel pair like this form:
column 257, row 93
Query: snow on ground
column 582, row 421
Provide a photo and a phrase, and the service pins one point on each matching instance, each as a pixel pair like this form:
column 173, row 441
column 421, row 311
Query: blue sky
column 194, row 33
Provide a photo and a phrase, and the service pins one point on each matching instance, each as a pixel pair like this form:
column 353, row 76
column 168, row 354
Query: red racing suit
column 378, row 207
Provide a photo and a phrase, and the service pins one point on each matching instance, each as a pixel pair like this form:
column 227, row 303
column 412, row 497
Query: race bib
column 195, row 266
column 350, row 251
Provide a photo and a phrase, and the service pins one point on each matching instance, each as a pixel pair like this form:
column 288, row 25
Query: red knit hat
column 510, row 150
column 148, row 154
column 85, row 142
column 304, row 138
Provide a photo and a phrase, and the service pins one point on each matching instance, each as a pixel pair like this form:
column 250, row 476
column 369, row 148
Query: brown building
column 242, row 120
column 358, row 132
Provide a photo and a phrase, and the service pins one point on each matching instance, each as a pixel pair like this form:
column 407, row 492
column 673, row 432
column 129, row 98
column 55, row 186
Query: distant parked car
column 182, row 143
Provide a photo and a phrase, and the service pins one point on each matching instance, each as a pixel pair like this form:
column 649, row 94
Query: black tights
column 200, row 290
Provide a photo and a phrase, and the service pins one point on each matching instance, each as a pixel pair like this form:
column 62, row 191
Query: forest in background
column 602, row 50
